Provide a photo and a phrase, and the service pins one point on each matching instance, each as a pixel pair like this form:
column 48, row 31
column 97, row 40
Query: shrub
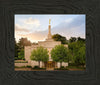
column 43, row 68
column 16, row 67
column 72, row 64
column 62, row 67
column 36, row 67
column 21, row 55
column 21, row 61
column 28, row 66
column 20, row 66
column 16, row 58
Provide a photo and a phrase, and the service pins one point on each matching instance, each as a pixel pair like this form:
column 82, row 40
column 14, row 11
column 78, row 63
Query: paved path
column 28, row 69
column 48, row 69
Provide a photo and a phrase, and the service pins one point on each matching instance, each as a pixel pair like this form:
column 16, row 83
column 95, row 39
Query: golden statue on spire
column 49, row 21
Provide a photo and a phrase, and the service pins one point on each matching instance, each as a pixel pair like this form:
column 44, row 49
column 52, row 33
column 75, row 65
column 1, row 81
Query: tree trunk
column 39, row 64
column 68, row 59
column 83, row 65
column 44, row 65
column 60, row 64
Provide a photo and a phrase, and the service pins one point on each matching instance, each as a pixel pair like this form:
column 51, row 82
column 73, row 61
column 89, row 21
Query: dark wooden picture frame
column 8, row 8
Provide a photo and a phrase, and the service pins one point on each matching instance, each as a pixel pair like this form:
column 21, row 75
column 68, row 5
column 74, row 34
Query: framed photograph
column 50, row 46
column 49, row 42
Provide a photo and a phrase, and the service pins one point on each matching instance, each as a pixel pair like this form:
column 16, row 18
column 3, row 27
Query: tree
column 20, row 46
column 80, row 57
column 24, row 42
column 59, row 54
column 81, row 39
column 70, row 56
column 17, row 50
column 58, row 37
column 72, row 39
column 77, row 52
column 21, row 54
column 39, row 54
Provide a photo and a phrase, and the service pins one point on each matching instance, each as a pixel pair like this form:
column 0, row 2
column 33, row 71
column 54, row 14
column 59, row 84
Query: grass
column 39, row 68
column 75, row 67
column 71, row 67
column 29, row 66
column 20, row 67
column 35, row 67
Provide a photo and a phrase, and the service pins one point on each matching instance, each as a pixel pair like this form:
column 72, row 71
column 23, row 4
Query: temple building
column 49, row 43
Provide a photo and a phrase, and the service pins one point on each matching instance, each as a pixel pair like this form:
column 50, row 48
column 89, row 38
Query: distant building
column 49, row 43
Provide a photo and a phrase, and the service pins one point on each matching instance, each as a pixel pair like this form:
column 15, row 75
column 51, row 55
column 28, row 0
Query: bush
column 43, row 68
column 72, row 64
column 62, row 67
column 21, row 61
column 16, row 67
column 76, row 67
column 28, row 66
column 23, row 66
column 36, row 67
column 21, row 54
column 16, row 58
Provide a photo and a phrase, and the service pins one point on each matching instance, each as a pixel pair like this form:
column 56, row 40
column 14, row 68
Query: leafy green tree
column 72, row 39
column 58, row 37
column 80, row 57
column 59, row 54
column 21, row 54
column 39, row 54
column 19, row 46
column 81, row 39
column 17, row 50
column 70, row 56
column 77, row 52
column 72, row 48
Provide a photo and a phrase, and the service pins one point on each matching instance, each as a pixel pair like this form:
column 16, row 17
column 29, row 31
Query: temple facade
column 49, row 43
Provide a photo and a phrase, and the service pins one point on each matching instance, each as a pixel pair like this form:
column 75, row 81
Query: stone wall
column 34, row 63
column 21, row 64
column 49, row 44
column 63, row 64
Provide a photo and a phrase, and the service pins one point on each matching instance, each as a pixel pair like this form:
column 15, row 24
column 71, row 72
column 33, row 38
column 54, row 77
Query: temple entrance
column 50, row 65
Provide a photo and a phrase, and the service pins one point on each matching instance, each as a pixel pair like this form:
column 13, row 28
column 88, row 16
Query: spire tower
column 49, row 30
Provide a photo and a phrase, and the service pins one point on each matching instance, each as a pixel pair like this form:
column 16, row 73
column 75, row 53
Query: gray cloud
column 75, row 28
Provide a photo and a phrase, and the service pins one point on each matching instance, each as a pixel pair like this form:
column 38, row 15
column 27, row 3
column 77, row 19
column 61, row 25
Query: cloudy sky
column 35, row 27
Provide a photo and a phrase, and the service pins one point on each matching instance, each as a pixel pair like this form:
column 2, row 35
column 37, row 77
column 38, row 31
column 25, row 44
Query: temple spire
column 49, row 30
column 49, row 21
